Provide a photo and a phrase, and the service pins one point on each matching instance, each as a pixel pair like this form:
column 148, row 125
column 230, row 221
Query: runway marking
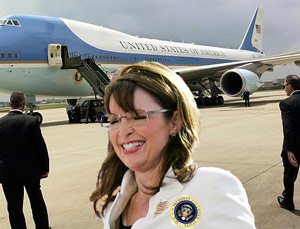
column 262, row 172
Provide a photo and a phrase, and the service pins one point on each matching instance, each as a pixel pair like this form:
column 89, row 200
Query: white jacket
column 214, row 198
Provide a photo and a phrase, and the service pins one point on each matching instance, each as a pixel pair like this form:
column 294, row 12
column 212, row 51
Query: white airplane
column 32, row 61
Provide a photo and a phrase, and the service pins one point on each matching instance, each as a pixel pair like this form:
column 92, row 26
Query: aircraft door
column 54, row 55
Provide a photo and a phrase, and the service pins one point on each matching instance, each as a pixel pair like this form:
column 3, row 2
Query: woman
column 148, row 179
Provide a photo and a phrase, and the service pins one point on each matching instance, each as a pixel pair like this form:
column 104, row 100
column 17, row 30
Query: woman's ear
column 176, row 123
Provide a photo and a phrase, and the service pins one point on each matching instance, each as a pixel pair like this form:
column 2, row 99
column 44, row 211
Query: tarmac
column 245, row 141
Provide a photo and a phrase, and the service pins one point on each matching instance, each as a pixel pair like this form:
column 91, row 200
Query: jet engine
column 236, row 81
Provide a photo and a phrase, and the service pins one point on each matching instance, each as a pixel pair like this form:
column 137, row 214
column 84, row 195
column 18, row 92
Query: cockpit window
column 10, row 22
column 16, row 23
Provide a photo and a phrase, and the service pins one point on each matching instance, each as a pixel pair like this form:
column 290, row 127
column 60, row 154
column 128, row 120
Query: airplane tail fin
column 253, row 38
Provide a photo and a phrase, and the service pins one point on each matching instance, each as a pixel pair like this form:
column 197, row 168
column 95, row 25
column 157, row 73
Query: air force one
column 35, row 54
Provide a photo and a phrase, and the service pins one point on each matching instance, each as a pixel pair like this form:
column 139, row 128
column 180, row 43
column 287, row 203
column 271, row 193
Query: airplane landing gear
column 208, row 101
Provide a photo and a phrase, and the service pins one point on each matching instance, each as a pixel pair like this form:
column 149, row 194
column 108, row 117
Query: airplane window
column 9, row 55
column 16, row 55
column 2, row 55
column 2, row 22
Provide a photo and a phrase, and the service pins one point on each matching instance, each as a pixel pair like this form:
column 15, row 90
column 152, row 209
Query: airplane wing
column 257, row 66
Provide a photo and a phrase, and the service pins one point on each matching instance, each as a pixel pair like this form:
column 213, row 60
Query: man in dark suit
column 23, row 162
column 246, row 97
column 290, row 113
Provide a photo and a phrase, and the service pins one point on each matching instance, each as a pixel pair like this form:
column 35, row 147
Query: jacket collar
column 295, row 92
column 128, row 188
column 128, row 185
column 16, row 111
column 170, row 185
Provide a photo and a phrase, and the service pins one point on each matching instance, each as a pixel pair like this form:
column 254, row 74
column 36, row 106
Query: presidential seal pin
column 185, row 212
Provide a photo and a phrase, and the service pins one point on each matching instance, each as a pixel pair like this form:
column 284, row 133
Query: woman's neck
column 138, row 205
column 148, row 180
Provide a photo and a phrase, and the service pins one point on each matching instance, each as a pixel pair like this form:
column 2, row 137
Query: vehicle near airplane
column 91, row 110
column 36, row 58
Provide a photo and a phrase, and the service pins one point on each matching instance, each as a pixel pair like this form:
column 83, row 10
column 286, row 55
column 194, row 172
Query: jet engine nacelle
column 236, row 81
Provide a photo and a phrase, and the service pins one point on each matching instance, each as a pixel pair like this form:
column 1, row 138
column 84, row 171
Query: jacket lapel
column 128, row 188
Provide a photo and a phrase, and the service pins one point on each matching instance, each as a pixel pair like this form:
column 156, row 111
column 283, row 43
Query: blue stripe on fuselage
column 30, row 42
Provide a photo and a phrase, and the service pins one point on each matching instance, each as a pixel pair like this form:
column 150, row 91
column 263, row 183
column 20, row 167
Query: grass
column 40, row 107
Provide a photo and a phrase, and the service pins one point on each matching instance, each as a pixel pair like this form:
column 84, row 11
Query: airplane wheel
column 199, row 101
column 39, row 117
column 207, row 101
column 214, row 100
column 220, row 100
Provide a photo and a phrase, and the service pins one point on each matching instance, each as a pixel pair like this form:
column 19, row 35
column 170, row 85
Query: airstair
column 94, row 74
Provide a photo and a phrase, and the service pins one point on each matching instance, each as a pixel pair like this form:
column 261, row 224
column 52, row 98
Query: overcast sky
column 214, row 22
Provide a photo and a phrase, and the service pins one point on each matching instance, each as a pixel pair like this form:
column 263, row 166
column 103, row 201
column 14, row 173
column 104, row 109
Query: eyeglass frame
column 129, row 119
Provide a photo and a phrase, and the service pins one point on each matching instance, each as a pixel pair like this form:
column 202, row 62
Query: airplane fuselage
column 24, row 64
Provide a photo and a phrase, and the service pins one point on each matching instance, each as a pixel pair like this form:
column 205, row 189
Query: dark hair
column 17, row 99
column 294, row 81
column 170, row 91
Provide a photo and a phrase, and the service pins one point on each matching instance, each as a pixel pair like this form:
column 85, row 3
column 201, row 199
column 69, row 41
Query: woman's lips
column 131, row 147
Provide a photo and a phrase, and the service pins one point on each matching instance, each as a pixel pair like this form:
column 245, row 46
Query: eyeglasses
column 286, row 84
column 138, row 118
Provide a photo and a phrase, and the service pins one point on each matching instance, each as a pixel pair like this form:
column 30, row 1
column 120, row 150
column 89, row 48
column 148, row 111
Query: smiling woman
column 149, row 179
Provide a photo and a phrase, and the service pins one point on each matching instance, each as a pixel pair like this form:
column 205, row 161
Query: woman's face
column 139, row 147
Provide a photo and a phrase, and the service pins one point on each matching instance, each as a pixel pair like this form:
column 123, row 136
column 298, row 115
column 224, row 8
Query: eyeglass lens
column 113, row 120
column 137, row 118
